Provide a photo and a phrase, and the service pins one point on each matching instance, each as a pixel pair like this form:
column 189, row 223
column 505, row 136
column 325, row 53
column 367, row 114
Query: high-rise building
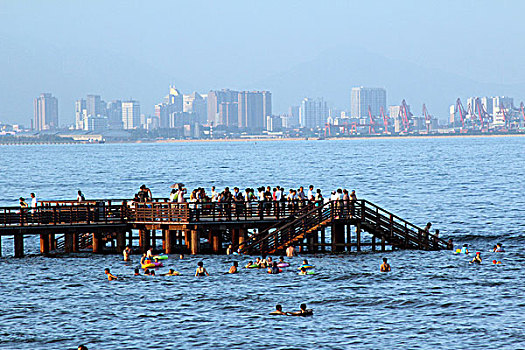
column 362, row 98
column 313, row 113
column 229, row 113
column 254, row 107
column 80, row 114
column 215, row 98
column 114, row 114
column 131, row 114
column 95, row 106
column 173, row 103
column 196, row 103
column 45, row 112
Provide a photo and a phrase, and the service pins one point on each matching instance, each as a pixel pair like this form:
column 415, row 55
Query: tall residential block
column 195, row 103
column 313, row 113
column 131, row 114
column 45, row 112
column 362, row 98
column 173, row 103
column 215, row 99
column 254, row 107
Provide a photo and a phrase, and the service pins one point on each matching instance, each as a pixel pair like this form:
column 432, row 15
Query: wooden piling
column 373, row 243
column 52, row 242
column 68, row 242
column 144, row 240
column 358, row 237
column 19, row 245
column 121, row 241
column 97, row 243
column 195, row 244
column 44, row 243
column 216, row 241
column 168, row 241
column 349, row 237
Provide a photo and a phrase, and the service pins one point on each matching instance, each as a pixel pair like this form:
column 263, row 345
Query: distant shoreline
column 263, row 139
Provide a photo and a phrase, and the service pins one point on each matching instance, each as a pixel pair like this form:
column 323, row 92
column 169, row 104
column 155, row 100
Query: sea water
column 471, row 189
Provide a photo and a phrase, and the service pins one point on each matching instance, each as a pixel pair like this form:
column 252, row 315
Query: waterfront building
column 215, row 99
column 254, row 107
column 362, row 97
column 114, row 114
column 274, row 123
column 45, row 112
column 95, row 106
column 197, row 104
column 313, row 113
column 172, row 103
column 131, row 114
column 80, row 114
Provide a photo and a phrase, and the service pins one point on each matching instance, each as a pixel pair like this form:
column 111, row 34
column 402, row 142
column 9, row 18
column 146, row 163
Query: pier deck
column 251, row 228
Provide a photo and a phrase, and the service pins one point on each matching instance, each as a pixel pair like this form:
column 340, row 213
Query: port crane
column 459, row 109
column 371, row 126
column 427, row 118
column 385, row 119
column 404, row 115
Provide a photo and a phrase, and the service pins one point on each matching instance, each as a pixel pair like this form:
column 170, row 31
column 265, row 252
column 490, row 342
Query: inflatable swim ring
column 306, row 267
column 150, row 265
column 270, row 272
column 306, row 273
column 283, row 264
column 252, row 266
column 160, row 257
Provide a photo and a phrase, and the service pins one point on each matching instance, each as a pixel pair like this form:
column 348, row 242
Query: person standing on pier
column 22, row 202
column 80, row 196
column 34, row 201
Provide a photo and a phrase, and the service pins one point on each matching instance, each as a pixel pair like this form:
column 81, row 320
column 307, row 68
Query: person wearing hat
column 464, row 249
column 477, row 258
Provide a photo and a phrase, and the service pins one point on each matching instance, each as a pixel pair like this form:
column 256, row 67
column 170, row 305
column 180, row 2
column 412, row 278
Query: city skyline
column 293, row 60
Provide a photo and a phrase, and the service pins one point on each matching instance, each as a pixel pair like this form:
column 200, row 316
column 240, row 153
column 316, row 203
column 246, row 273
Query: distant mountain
column 333, row 73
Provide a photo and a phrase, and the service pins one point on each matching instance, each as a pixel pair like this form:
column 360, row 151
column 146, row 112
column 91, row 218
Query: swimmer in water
column 149, row 253
column 233, row 268
column 303, row 312
column 152, row 273
column 250, row 263
column 258, row 262
column 385, row 267
column 464, row 249
column 137, row 273
column 499, row 248
column 146, row 272
column 303, row 271
column 82, row 347
column 274, row 269
column 143, row 259
column 111, row 277
column 305, row 262
column 171, row 272
column 127, row 253
column 278, row 311
column 477, row 258
column 201, row 270
column 281, row 260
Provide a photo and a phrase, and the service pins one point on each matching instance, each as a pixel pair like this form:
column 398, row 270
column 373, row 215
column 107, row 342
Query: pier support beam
column 76, row 242
column 323, row 239
column 373, row 243
column 235, row 237
column 169, row 241
column 216, row 241
column 349, row 237
column 195, row 244
column 44, row 243
column 97, row 243
column 358, row 237
column 144, row 240
column 68, row 242
column 19, row 245
column 52, row 242
column 242, row 236
column 121, row 241
column 338, row 237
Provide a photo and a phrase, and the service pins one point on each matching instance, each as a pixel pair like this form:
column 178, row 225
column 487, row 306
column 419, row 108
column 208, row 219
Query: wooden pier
column 107, row 226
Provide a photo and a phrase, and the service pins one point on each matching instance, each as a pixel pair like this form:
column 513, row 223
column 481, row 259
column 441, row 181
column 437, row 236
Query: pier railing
column 370, row 217
column 61, row 215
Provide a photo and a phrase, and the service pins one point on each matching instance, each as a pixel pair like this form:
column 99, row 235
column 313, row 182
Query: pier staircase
column 363, row 214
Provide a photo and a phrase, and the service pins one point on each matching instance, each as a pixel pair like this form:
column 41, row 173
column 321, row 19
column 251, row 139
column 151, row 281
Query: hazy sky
column 123, row 49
